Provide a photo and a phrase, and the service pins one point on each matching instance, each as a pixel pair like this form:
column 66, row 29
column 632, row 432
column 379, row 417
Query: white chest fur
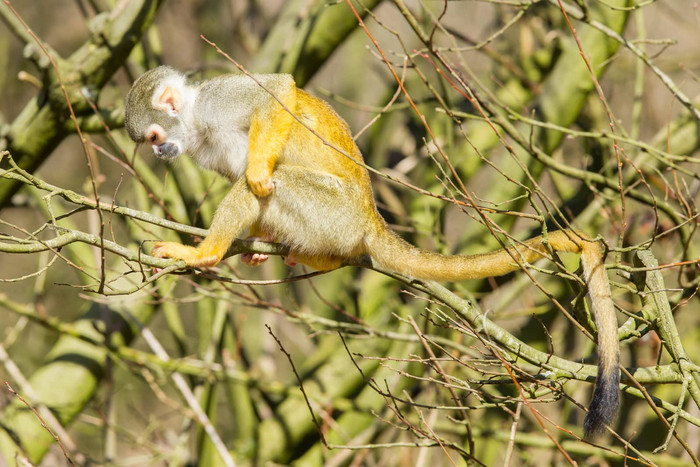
column 224, row 152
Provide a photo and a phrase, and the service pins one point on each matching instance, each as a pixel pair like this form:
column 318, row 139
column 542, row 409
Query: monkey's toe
column 254, row 259
column 194, row 257
column 165, row 249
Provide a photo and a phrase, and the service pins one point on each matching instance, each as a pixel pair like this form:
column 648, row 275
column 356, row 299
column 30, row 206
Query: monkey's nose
column 166, row 150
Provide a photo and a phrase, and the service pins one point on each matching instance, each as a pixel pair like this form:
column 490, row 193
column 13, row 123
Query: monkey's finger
column 263, row 188
column 260, row 182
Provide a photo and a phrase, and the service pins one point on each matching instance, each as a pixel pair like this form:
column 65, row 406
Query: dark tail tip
column 606, row 399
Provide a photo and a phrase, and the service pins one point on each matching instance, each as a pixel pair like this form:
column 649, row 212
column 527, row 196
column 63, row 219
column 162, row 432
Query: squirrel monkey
column 300, row 191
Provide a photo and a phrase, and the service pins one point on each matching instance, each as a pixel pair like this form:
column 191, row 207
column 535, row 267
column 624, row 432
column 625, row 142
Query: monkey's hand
column 194, row 257
column 260, row 180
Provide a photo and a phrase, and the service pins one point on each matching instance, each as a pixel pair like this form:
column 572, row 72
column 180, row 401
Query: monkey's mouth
column 166, row 150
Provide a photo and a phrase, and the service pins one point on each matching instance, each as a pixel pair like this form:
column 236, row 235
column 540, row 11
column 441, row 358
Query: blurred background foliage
column 549, row 120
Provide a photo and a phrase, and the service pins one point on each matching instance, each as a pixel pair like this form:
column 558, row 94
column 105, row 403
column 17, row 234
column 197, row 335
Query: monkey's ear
column 170, row 100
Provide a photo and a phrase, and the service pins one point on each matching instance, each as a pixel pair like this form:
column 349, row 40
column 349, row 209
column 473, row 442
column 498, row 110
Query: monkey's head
column 156, row 111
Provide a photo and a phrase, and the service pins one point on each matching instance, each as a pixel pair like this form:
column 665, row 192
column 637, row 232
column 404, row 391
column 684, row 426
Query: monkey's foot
column 194, row 257
column 254, row 259
column 260, row 182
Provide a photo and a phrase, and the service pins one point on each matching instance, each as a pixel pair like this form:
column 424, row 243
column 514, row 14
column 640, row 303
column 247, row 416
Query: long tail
column 606, row 396
column 390, row 251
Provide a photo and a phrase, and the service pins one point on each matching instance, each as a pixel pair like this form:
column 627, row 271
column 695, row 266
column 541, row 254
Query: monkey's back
column 315, row 142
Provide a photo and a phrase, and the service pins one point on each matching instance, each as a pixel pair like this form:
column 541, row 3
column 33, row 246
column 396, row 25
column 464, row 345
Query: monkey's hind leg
column 319, row 215
column 238, row 211
column 320, row 263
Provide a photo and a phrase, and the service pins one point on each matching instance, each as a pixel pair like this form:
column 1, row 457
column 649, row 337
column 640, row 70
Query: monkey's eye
column 155, row 134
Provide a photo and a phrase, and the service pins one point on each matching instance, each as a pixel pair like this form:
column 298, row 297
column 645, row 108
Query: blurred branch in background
column 499, row 120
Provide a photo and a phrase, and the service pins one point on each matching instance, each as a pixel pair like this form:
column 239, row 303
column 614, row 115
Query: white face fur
column 176, row 99
column 222, row 151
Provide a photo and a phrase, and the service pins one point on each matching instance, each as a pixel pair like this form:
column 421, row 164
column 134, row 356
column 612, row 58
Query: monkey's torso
column 335, row 231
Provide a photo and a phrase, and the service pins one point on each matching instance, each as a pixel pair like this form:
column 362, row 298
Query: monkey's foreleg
column 267, row 136
column 238, row 211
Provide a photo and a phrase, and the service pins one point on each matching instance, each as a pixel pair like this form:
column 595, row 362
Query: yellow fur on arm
column 268, row 134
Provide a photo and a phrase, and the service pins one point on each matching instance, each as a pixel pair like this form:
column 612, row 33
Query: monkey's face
column 163, row 146
column 157, row 110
